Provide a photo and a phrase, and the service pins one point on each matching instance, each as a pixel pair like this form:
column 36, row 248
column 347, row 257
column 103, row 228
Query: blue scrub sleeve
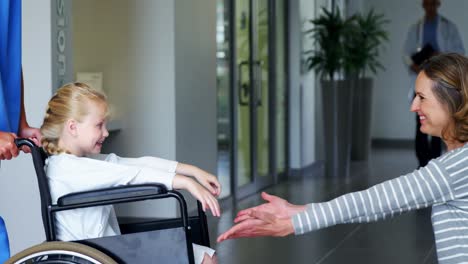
column 4, row 247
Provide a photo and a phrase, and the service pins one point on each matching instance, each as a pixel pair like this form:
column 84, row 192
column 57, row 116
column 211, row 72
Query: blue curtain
column 10, row 84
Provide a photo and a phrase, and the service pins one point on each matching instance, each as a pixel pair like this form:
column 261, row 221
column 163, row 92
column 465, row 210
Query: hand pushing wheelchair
column 157, row 241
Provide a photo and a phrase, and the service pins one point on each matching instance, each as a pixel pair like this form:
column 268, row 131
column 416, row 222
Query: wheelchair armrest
column 108, row 195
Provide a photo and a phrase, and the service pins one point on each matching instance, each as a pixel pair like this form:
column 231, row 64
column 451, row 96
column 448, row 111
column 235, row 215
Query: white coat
column 448, row 40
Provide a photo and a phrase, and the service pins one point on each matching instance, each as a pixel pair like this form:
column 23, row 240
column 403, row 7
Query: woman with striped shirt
column 441, row 103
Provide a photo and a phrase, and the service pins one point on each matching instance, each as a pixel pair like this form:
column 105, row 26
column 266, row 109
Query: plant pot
column 337, row 111
column 362, row 115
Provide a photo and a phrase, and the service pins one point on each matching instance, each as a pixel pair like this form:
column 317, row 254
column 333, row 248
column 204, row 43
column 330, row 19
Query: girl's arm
column 146, row 161
column 172, row 174
column 206, row 179
column 68, row 173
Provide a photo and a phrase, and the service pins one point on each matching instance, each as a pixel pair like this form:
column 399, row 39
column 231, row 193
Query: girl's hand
column 207, row 200
column 209, row 181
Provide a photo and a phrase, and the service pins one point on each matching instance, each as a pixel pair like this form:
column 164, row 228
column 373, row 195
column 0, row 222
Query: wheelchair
column 155, row 241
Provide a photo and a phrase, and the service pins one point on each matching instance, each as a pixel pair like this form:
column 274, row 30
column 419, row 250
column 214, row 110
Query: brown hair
column 70, row 101
column 449, row 75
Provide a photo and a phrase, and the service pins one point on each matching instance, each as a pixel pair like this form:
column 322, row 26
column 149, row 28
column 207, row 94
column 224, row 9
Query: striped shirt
column 442, row 184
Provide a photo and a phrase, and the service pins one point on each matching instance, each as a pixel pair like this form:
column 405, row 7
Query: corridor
column 404, row 239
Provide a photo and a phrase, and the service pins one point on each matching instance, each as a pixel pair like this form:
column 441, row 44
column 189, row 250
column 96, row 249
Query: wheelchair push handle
column 19, row 142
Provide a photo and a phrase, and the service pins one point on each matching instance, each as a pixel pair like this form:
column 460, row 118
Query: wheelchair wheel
column 61, row 253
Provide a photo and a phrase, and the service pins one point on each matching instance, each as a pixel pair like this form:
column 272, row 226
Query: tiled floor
column 404, row 239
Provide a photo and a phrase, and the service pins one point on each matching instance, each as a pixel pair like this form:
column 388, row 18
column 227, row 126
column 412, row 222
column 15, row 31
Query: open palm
column 275, row 205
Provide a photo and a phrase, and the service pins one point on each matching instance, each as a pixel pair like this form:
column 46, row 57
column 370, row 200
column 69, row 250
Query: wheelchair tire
column 61, row 253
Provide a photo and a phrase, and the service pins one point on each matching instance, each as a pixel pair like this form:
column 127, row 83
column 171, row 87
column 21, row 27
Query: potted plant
column 361, row 58
column 329, row 33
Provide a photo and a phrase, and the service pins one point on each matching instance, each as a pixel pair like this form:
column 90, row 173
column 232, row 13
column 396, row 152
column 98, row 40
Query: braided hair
column 69, row 102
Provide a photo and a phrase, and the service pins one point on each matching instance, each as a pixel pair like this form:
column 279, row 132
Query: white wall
column 19, row 195
column 101, row 44
column 195, row 83
column 391, row 116
column 132, row 43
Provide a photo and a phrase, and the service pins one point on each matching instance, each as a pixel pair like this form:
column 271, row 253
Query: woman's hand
column 31, row 133
column 207, row 200
column 259, row 224
column 275, row 205
column 269, row 219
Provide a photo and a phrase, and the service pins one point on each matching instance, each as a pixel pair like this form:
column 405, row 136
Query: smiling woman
column 442, row 106
column 433, row 114
column 447, row 78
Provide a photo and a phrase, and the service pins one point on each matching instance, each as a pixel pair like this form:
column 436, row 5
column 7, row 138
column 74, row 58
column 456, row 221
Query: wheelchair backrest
column 39, row 156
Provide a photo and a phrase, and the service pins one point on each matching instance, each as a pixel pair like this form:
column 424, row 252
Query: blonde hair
column 69, row 102
column 449, row 75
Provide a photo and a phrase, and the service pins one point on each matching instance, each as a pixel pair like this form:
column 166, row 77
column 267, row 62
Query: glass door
column 253, row 100
column 252, row 94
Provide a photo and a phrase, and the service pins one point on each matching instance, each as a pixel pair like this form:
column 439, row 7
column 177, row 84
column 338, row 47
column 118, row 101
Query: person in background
column 441, row 102
column 13, row 121
column 432, row 34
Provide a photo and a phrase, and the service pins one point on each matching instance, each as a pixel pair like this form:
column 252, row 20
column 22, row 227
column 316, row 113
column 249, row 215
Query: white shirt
column 68, row 173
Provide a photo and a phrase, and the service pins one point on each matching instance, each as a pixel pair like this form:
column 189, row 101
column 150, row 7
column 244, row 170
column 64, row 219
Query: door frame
column 258, row 184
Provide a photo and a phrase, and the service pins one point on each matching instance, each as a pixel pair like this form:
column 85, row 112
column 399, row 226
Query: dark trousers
column 426, row 149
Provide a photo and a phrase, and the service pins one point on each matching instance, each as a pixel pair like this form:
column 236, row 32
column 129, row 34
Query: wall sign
column 62, row 71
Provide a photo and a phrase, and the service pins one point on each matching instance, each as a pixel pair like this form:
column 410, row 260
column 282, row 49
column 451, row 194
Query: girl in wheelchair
column 73, row 133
